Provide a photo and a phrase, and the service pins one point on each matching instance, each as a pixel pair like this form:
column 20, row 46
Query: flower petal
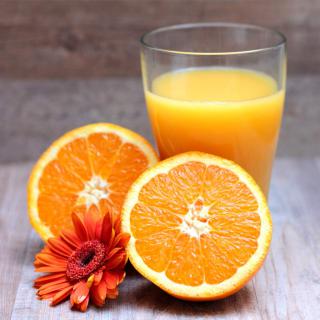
column 48, row 278
column 111, row 279
column 123, row 262
column 90, row 220
column 47, row 259
column 114, row 278
column 117, row 225
column 52, row 269
column 79, row 293
column 60, row 248
column 111, row 240
column 79, row 227
column 47, row 296
column 98, row 294
column 70, row 238
column 90, row 281
column 121, row 240
column 107, row 226
column 84, row 305
column 113, row 252
column 97, row 277
column 54, row 282
column 47, row 251
column 116, row 261
column 98, row 229
column 125, row 237
column 53, row 287
column 121, row 275
column 61, row 295
column 112, row 294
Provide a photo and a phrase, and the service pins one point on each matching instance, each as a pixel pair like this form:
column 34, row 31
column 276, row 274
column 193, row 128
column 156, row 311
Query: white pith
column 195, row 222
column 94, row 190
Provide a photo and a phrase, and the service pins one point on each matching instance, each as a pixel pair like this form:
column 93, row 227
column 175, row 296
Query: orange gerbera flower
column 86, row 263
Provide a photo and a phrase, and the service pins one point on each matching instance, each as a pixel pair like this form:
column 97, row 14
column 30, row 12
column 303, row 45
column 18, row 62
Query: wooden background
column 65, row 63
column 93, row 38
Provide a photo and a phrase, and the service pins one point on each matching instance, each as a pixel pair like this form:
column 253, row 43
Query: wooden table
column 287, row 287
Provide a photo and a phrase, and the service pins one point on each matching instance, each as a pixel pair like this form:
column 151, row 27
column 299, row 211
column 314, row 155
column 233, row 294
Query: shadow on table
column 142, row 294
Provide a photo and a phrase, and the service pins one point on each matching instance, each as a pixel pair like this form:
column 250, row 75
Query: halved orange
column 200, row 226
column 90, row 166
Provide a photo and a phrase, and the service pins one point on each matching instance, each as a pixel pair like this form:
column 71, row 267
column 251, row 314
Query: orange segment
column 161, row 192
column 91, row 165
column 156, row 248
column 54, row 210
column 200, row 226
column 188, row 177
column 74, row 157
column 129, row 164
column 57, row 179
column 148, row 220
column 223, row 189
column 103, row 149
column 182, row 268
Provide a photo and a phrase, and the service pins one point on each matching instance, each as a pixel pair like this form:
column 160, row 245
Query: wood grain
column 34, row 113
column 94, row 38
column 14, row 232
column 287, row 287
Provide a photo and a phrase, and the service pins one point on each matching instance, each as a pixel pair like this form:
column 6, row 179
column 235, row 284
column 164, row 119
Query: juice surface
column 233, row 113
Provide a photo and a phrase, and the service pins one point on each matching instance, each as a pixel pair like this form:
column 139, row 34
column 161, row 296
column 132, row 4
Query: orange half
column 90, row 166
column 200, row 226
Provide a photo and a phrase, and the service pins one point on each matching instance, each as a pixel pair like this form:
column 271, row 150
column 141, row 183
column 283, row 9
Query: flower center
column 94, row 190
column 85, row 260
column 195, row 222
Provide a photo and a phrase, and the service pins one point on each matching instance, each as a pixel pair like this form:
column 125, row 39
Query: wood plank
column 287, row 287
column 34, row 113
column 295, row 220
column 96, row 38
column 14, row 231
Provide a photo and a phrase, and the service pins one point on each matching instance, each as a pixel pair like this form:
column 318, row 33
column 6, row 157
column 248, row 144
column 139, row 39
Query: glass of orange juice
column 217, row 88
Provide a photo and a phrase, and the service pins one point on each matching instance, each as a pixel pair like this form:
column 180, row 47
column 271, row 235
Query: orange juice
column 233, row 113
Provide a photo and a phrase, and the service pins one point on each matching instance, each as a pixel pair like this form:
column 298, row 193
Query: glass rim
column 145, row 44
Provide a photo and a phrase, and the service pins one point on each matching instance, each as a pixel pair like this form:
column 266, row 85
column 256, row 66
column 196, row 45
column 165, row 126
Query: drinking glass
column 217, row 88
